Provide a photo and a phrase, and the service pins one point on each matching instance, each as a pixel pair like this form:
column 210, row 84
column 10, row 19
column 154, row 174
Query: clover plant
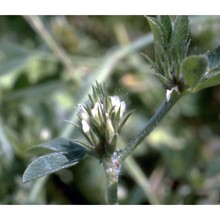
column 103, row 115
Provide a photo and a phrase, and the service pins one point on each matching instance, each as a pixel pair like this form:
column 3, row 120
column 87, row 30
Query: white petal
column 109, row 126
column 83, row 113
column 94, row 111
column 85, row 126
column 115, row 101
column 123, row 107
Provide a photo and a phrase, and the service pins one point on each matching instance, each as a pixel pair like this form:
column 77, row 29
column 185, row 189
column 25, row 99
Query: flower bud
column 83, row 114
column 85, row 126
column 115, row 100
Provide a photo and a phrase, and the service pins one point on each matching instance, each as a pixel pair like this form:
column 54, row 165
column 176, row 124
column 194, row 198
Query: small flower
column 110, row 128
column 85, row 126
column 115, row 100
column 102, row 118
column 97, row 108
column 83, row 114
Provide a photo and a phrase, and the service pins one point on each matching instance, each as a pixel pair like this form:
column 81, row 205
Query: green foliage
column 12, row 57
column 57, row 144
column 213, row 168
column 180, row 34
column 212, row 75
column 193, row 69
column 210, row 80
column 214, row 58
column 180, row 158
column 67, row 154
column 172, row 67
column 171, row 45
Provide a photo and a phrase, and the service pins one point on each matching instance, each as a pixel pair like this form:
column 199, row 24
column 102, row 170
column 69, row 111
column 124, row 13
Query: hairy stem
column 112, row 168
column 159, row 115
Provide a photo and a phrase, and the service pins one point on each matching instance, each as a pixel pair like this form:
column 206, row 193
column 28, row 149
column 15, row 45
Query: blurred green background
column 47, row 66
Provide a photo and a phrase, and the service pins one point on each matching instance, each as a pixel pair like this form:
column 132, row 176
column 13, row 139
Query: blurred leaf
column 21, row 82
column 12, row 57
column 36, row 91
column 178, row 162
column 214, row 58
column 213, row 167
column 193, row 68
column 52, row 162
column 6, row 150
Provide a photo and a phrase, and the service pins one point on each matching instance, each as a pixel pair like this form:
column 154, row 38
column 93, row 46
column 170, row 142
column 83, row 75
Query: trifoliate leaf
column 193, row 69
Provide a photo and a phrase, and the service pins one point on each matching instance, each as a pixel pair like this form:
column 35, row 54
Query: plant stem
column 159, row 115
column 112, row 167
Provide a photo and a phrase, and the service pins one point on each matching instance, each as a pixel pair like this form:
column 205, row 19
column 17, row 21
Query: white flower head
column 85, row 126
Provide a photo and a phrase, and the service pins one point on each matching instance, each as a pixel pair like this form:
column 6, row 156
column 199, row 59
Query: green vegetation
column 48, row 67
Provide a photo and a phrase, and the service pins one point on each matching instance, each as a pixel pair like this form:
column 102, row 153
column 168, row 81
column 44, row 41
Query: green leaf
column 180, row 30
column 51, row 163
column 163, row 60
column 214, row 58
column 34, row 92
column 12, row 57
column 193, row 69
column 179, row 45
column 157, row 29
column 57, row 144
column 209, row 81
column 166, row 22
